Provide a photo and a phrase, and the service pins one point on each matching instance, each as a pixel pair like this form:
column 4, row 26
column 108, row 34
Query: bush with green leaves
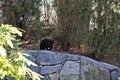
column 24, row 14
column 105, row 36
column 92, row 23
column 12, row 60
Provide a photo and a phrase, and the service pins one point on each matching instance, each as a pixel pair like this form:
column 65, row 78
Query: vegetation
column 105, row 37
column 73, row 21
column 13, row 63
column 24, row 14
column 101, row 37
column 94, row 24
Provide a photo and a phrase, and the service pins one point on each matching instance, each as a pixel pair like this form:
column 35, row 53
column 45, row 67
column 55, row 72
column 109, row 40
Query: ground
column 112, row 59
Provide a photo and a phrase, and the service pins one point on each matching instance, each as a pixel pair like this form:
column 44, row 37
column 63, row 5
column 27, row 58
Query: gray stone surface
column 31, row 58
column 109, row 66
column 73, row 57
column 50, row 69
column 90, row 70
column 115, row 75
column 70, row 71
column 50, row 58
column 35, row 68
column 63, row 66
column 55, row 76
column 46, row 78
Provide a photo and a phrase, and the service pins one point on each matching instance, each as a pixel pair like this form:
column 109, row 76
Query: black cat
column 46, row 44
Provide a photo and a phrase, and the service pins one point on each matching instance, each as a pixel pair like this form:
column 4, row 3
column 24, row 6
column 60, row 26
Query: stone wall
column 63, row 66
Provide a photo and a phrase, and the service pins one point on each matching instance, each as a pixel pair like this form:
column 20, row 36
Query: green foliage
column 12, row 61
column 105, row 37
column 13, row 10
column 74, row 18
column 73, row 21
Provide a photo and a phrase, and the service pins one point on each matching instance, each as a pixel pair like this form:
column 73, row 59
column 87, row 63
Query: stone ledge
column 64, row 66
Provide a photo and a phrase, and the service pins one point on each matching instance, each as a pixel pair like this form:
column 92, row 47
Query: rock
column 70, row 71
column 115, row 75
column 74, row 57
column 46, row 78
column 91, row 70
column 54, row 76
column 63, row 66
column 35, row 68
column 51, row 69
column 50, row 58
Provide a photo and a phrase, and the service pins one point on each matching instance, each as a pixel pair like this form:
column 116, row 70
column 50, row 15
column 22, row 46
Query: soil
column 111, row 59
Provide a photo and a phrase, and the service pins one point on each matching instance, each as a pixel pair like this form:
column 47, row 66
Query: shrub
column 12, row 60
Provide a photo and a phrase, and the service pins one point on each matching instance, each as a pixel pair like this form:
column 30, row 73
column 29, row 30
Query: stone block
column 54, row 76
column 91, row 70
column 50, row 58
column 51, row 69
column 70, row 71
